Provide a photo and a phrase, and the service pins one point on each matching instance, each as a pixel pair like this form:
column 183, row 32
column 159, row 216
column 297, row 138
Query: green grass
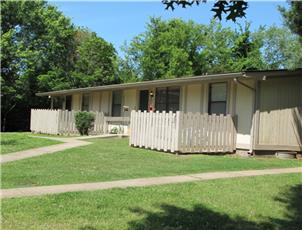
column 13, row 142
column 113, row 159
column 53, row 135
column 266, row 202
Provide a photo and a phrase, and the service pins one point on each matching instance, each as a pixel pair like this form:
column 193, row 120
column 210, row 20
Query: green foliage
column 42, row 51
column 36, row 40
column 84, row 121
column 280, row 48
column 176, row 48
column 232, row 9
column 114, row 130
column 293, row 17
column 95, row 62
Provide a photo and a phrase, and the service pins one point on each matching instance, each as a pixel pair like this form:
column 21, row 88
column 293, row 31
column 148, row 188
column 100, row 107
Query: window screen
column 218, row 98
column 85, row 102
column 167, row 99
column 116, row 103
column 57, row 102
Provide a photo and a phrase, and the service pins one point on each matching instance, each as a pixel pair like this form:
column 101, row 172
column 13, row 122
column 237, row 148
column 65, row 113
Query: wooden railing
column 63, row 122
column 182, row 132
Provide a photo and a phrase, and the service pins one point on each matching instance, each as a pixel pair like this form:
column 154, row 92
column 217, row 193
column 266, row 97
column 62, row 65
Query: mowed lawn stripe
column 113, row 159
column 14, row 142
column 264, row 202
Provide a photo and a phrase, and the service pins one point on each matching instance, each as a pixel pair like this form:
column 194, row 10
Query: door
column 143, row 100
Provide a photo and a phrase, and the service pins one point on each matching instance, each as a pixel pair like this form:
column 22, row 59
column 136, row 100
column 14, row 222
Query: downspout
column 237, row 81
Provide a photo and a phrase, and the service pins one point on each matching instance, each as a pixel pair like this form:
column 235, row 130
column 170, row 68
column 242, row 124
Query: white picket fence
column 182, row 132
column 62, row 122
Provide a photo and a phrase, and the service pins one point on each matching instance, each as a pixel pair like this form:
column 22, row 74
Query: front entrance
column 143, row 100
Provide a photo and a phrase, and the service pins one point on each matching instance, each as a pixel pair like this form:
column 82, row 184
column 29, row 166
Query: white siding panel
column 194, row 96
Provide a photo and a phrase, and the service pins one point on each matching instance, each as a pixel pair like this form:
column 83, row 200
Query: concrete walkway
column 70, row 142
column 55, row 189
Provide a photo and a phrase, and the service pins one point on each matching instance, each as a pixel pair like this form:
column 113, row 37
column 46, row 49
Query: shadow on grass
column 292, row 199
column 8, row 142
column 201, row 217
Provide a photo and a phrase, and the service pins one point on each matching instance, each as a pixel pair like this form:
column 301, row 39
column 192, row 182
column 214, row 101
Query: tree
column 36, row 39
column 43, row 51
column 293, row 17
column 233, row 9
column 95, row 62
column 245, row 52
column 177, row 48
column 280, row 48
column 165, row 50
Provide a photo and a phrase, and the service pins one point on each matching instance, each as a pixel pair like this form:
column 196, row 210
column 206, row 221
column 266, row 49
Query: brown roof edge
column 176, row 81
column 162, row 82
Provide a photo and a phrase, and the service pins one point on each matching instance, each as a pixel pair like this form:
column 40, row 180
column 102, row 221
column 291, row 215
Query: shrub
column 84, row 121
column 114, row 130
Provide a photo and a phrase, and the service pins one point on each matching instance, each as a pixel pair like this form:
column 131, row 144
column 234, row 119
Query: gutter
column 236, row 80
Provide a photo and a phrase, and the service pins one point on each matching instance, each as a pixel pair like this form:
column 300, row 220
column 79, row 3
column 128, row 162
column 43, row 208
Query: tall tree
column 95, row 61
column 36, row 39
column 293, row 17
column 246, row 51
column 280, row 48
column 177, row 48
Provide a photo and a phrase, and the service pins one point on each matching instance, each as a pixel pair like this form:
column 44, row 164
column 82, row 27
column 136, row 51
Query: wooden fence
column 279, row 129
column 63, row 122
column 182, row 132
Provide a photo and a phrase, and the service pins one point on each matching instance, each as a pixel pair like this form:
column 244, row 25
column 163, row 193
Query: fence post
column 177, row 139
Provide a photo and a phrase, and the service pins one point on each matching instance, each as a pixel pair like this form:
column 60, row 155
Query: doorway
column 143, row 100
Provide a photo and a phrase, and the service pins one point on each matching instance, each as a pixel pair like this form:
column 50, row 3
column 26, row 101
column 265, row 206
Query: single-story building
column 268, row 103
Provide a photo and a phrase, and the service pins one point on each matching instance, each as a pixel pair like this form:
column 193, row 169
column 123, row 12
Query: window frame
column 166, row 104
column 87, row 95
column 210, row 102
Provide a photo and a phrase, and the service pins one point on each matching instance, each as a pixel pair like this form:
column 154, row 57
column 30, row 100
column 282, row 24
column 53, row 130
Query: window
column 57, row 102
column 85, row 102
column 116, row 103
column 68, row 100
column 218, row 98
column 167, row 99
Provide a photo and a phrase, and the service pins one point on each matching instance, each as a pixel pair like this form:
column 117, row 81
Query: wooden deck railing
column 182, row 132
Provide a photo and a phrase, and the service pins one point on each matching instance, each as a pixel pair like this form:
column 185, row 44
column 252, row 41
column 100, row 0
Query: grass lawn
column 266, row 202
column 113, row 159
column 13, row 142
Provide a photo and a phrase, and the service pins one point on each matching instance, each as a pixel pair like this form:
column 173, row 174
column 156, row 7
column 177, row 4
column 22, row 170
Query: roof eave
column 163, row 82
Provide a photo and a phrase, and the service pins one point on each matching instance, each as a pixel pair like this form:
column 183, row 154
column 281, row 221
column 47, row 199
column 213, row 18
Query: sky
column 119, row 21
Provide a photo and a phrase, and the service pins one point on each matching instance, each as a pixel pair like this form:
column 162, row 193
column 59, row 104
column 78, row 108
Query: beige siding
column 129, row 99
column 280, row 93
column 95, row 101
column 106, row 103
column 278, row 124
column 76, row 101
column 244, row 111
column 194, row 98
